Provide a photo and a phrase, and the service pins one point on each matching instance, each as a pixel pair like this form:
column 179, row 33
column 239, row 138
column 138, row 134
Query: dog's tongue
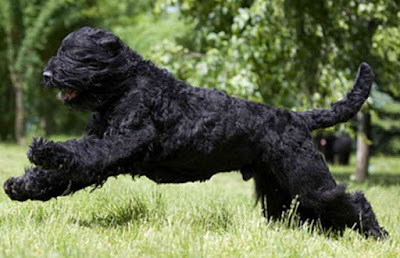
column 67, row 95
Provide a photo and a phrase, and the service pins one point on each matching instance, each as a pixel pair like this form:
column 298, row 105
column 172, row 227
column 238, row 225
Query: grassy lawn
column 129, row 218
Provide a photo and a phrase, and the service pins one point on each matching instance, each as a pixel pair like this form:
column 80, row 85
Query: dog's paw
column 37, row 150
column 11, row 189
column 36, row 184
column 47, row 154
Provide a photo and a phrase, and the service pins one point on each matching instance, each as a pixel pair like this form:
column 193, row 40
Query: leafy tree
column 31, row 29
column 387, row 48
column 295, row 53
column 7, row 105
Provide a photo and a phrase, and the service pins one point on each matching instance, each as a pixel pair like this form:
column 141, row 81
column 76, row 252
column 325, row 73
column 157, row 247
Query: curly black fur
column 147, row 123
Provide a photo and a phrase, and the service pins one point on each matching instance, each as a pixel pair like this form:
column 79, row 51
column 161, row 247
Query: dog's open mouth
column 67, row 94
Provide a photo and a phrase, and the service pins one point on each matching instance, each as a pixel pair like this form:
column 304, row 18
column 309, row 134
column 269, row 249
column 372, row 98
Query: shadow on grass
column 135, row 211
column 377, row 179
column 140, row 211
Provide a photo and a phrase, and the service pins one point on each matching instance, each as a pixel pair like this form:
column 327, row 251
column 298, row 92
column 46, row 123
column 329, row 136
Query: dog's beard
column 81, row 100
column 79, row 94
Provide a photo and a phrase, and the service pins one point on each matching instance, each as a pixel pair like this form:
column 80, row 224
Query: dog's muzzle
column 47, row 75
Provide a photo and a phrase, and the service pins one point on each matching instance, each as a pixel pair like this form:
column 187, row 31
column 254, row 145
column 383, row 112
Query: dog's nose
column 47, row 75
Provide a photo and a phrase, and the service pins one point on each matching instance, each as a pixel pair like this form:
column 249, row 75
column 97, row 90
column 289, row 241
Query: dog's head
column 91, row 68
column 352, row 210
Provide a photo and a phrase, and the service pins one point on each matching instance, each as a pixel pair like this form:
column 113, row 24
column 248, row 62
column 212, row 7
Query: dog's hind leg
column 306, row 175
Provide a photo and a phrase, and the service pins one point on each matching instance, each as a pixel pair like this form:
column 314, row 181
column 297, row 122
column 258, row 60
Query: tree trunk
column 363, row 142
column 15, row 28
column 19, row 112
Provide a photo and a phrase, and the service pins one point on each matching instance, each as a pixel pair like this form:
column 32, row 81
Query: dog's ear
column 111, row 44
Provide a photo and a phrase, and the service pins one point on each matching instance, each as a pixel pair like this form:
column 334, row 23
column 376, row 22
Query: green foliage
column 209, row 16
column 387, row 47
column 146, row 31
column 39, row 19
column 393, row 147
column 379, row 99
column 386, row 126
column 110, row 13
column 213, row 70
column 33, row 31
column 392, row 108
column 292, row 53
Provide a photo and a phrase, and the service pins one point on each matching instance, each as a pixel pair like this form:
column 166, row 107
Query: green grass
column 218, row 218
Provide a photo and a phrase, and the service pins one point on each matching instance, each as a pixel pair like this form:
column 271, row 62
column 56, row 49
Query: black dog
column 336, row 148
column 148, row 123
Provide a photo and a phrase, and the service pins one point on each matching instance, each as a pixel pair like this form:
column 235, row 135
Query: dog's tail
column 346, row 108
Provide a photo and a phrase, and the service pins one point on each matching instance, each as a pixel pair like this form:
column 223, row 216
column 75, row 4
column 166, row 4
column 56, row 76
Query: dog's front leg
column 91, row 152
column 41, row 184
column 76, row 164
